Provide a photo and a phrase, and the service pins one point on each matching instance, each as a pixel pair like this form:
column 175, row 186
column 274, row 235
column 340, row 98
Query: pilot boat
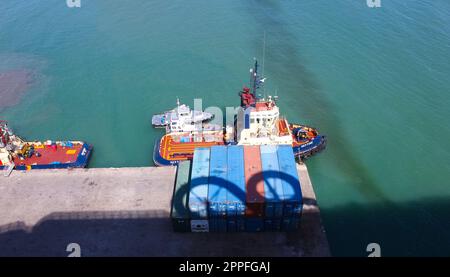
column 180, row 116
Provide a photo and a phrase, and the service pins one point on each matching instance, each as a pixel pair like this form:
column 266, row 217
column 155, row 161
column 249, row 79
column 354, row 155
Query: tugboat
column 175, row 147
column 185, row 130
column 179, row 117
column 15, row 153
column 258, row 122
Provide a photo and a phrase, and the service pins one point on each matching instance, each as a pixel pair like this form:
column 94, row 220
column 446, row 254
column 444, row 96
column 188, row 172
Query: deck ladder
column 7, row 170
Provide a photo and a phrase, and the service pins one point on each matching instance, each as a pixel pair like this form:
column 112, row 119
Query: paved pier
column 125, row 212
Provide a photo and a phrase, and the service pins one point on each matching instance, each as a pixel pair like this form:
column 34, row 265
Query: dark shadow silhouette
column 150, row 233
column 283, row 55
column 234, row 189
column 417, row 228
column 140, row 233
column 413, row 228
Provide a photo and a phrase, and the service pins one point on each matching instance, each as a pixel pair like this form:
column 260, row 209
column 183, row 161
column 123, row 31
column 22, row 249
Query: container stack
column 198, row 193
column 217, row 191
column 273, row 188
column 254, row 186
column 292, row 195
column 237, row 189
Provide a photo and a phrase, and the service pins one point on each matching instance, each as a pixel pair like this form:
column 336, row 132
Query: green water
column 376, row 81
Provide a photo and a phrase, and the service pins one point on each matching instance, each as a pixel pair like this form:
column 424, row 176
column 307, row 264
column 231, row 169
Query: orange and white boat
column 175, row 147
column 257, row 122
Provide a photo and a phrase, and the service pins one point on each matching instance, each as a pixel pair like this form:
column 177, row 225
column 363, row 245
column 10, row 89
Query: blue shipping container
column 198, row 196
column 273, row 187
column 291, row 183
column 236, row 189
column 217, row 191
column 254, row 224
column 290, row 224
column 272, row 224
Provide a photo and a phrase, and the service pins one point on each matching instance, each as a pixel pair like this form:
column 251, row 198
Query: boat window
column 246, row 121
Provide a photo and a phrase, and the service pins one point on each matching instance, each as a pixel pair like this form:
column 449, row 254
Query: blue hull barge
column 18, row 154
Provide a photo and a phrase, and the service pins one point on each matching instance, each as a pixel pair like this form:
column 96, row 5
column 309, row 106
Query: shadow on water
column 411, row 228
column 421, row 231
column 282, row 51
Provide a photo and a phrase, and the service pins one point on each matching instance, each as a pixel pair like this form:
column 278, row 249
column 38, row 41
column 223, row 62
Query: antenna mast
column 264, row 53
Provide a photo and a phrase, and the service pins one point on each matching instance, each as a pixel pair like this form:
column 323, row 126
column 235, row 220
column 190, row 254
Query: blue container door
column 221, row 224
column 240, row 224
column 273, row 187
column 198, row 195
column 231, row 225
column 290, row 224
column 291, row 187
column 254, row 224
column 268, row 224
column 276, row 224
column 236, row 188
column 217, row 192
column 231, row 209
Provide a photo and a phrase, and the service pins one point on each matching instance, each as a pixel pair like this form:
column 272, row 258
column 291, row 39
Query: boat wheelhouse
column 182, row 119
column 258, row 122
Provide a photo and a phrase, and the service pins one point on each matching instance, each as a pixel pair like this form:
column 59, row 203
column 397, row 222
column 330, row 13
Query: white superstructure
column 183, row 119
column 261, row 124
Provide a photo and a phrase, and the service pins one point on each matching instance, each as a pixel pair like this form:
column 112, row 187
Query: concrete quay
column 125, row 212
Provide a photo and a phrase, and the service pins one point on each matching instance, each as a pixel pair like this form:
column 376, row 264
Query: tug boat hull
column 15, row 153
column 62, row 156
column 306, row 141
column 167, row 152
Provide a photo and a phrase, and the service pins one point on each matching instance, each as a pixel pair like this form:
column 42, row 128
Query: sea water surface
column 374, row 80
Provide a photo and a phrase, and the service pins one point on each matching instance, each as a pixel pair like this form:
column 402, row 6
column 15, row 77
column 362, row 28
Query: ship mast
column 256, row 81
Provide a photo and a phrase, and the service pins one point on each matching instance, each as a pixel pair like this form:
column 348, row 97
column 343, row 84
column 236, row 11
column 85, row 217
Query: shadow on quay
column 149, row 233
column 418, row 228
column 143, row 233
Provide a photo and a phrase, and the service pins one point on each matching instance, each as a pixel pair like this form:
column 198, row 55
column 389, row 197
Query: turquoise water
column 374, row 80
